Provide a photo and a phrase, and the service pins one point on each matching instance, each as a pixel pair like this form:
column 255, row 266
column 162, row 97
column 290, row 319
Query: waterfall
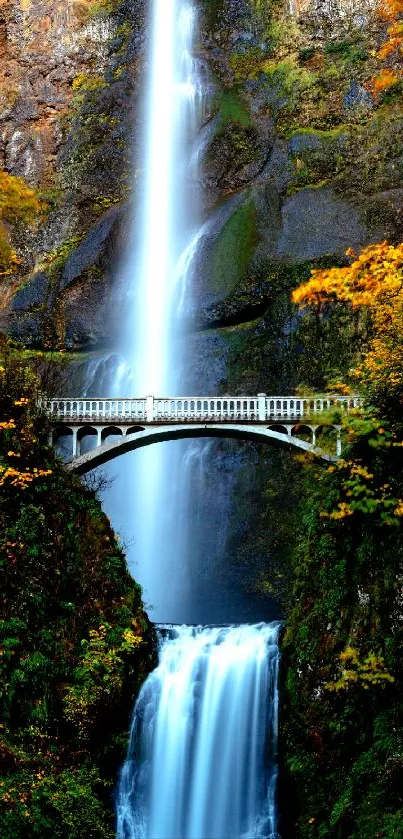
column 201, row 761
column 165, row 226
column 151, row 483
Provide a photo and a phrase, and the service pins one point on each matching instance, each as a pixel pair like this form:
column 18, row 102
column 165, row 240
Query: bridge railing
column 97, row 410
column 207, row 408
column 279, row 407
column 260, row 408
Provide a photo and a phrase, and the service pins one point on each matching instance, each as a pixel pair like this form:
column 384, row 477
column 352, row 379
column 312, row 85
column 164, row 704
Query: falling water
column 149, row 491
column 202, row 754
column 156, row 270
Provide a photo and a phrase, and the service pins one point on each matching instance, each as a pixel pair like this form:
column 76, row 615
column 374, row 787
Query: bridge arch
column 280, row 429
column 111, row 431
column 158, row 434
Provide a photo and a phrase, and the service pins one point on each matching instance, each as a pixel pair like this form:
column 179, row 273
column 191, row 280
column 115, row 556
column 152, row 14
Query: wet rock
column 92, row 248
column 33, row 294
column 303, row 140
column 357, row 96
column 317, row 222
column 86, row 311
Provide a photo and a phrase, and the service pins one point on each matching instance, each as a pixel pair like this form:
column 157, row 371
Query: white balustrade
column 95, row 410
column 237, row 409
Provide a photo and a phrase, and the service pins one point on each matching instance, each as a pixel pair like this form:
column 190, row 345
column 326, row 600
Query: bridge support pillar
column 261, row 406
column 338, row 443
column 150, row 408
column 75, row 443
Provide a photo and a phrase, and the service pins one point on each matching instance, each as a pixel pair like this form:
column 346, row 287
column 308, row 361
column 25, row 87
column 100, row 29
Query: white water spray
column 202, row 754
column 175, row 98
column 164, row 238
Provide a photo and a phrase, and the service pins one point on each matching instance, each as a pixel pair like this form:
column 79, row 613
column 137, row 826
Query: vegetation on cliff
column 19, row 205
column 75, row 643
column 343, row 691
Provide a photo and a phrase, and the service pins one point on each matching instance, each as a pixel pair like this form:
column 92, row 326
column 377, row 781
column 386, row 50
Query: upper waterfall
column 155, row 273
column 153, row 288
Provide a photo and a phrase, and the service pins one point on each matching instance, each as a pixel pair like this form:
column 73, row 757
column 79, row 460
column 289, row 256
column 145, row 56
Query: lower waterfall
column 201, row 761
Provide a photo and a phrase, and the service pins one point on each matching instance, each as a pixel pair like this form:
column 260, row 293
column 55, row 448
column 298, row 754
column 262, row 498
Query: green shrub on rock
column 75, row 642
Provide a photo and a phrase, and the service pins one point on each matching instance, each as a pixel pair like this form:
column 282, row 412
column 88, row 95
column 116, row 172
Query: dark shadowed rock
column 279, row 166
column 316, row 222
column 90, row 249
column 302, row 141
column 34, row 293
column 28, row 329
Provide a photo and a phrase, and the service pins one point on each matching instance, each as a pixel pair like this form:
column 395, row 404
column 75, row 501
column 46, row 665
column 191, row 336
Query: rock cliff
column 300, row 162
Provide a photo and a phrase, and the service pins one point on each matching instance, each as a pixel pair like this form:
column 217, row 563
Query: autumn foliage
column 390, row 53
column 18, row 204
column 374, row 281
column 342, row 702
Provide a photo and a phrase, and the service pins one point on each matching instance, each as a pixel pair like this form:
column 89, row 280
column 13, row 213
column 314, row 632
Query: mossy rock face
column 352, row 159
column 234, row 109
column 231, row 155
column 233, row 249
column 65, row 304
column 79, row 644
column 240, row 145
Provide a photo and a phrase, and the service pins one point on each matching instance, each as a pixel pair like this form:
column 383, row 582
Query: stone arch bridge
column 115, row 426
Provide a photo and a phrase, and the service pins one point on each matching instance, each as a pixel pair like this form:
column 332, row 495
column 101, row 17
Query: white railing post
column 150, row 409
column 262, row 407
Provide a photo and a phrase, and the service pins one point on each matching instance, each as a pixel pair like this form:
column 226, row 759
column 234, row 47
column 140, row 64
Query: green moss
column 321, row 134
column 352, row 158
column 213, row 11
column 59, row 255
column 306, row 53
column 233, row 109
column 267, row 355
column 342, row 751
column 247, row 64
column 286, row 79
column 347, row 50
column 233, row 249
column 103, row 8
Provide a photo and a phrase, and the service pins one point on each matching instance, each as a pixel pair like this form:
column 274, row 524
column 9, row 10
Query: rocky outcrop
column 45, row 45
column 67, row 86
column 69, row 304
column 276, row 194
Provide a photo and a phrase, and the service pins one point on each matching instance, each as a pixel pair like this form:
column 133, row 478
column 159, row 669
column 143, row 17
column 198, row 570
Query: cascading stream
column 202, row 754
